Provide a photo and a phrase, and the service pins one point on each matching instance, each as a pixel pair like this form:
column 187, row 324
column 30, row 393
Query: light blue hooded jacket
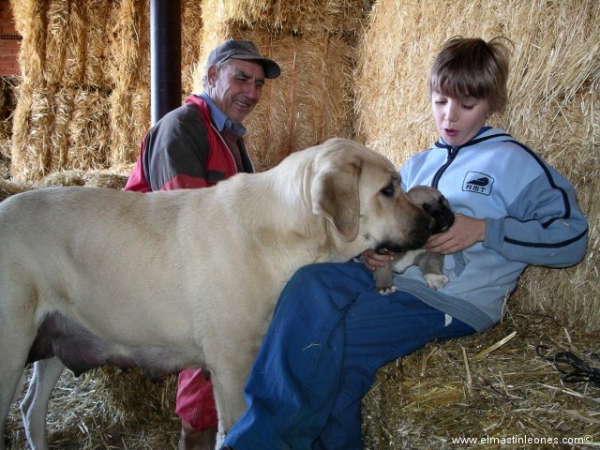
column 531, row 214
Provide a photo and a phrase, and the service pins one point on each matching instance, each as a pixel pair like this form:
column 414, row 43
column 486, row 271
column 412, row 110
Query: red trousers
column 195, row 401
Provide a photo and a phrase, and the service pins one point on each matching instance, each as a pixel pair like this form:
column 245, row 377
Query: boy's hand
column 465, row 232
column 373, row 260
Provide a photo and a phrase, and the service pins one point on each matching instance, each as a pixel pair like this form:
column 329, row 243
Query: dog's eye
column 389, row 190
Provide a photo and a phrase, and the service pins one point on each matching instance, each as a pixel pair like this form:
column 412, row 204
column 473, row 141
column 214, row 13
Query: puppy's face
column 435, row 204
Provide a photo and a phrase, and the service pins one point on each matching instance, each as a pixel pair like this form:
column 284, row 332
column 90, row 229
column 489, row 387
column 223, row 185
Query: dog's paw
column 386, row 290
column 435, row 281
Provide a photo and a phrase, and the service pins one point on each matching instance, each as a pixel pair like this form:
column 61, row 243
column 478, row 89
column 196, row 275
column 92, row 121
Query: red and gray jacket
column 184, row 150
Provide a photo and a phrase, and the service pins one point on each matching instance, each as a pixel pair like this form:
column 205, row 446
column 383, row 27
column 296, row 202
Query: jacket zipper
column 452, row 152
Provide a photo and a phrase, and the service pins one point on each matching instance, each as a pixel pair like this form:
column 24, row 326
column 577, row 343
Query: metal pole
column 165, row 57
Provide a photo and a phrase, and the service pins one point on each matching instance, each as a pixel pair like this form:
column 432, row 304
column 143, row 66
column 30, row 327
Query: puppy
column 431, row 264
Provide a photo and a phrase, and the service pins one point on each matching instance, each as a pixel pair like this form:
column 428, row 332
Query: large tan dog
column 92, row 276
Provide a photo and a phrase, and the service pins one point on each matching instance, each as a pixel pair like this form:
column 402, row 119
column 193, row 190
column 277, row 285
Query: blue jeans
column 330, row 333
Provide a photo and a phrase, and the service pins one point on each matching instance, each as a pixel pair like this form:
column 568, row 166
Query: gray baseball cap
column 246, row 50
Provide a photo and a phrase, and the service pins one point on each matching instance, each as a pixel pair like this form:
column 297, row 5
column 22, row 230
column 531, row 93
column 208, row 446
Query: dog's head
column 358, row 191
column 435, row 204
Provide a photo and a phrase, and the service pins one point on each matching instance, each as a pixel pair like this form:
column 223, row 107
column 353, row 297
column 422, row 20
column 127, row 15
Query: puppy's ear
column 334, row 195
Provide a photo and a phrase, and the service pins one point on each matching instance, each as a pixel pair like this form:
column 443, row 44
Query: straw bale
column 109, row 179
column 30, row 17
column 490, row 386
column 8, row 104
column 311, row 100
column 89, row 104
column 191, row 31
column 57, row 42
column 56, row 129
column 96, row 14
column 302, row 109
column 129, row 43
column 129, row 121
column 85, row 43
column 63, row 41
column 106, row 178
column 89, row 131
column 289, row 16
column 32, row 141
column 64, row 101
column 553, row 107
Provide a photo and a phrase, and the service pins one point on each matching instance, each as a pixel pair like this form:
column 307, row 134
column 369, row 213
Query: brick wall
column 10, row 41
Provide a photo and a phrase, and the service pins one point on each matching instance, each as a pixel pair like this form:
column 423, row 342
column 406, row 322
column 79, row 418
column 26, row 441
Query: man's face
column 236, row 88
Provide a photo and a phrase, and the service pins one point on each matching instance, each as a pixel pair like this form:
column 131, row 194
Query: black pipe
column 165, row 57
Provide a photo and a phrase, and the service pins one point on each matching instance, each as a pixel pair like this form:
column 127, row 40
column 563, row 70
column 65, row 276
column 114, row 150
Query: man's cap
column 246, row 50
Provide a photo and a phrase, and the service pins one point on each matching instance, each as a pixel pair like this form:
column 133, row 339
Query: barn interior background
column 353, row 68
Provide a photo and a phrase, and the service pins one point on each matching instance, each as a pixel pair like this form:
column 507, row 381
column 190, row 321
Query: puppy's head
column 435, row 204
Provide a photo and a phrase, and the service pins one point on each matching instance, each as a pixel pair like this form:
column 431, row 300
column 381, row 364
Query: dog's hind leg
column 13, row 357
column 11, row 379
column 34, row 406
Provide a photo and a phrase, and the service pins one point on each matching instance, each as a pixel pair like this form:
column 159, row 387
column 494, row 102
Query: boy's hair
column 472, row 67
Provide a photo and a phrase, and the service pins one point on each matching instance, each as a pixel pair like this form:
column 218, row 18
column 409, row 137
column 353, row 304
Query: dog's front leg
column 229, row 407
column 34, row 406
column 228, row 386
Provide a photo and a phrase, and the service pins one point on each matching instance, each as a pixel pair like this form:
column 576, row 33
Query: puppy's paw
column 386, row 290
column 435, row 281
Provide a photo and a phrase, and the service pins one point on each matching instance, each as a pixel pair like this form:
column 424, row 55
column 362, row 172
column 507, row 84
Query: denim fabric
column 329, row 334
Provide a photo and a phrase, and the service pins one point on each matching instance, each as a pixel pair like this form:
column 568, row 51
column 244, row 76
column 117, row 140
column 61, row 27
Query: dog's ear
column 334, row 195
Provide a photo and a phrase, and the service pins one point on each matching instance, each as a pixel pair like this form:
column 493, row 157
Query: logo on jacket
column 478, row 182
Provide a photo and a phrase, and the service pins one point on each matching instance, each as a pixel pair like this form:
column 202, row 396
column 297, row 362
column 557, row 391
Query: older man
column 194, row 146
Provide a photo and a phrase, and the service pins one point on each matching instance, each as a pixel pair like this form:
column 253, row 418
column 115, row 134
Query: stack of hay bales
column 62, row 118
column 554, row 106
column 84, row 100
column 84, row 96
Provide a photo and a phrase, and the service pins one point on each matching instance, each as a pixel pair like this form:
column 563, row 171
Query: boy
column 331, row 331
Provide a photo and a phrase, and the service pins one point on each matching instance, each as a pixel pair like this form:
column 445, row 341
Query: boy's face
column 236, row 88
column 459, row 119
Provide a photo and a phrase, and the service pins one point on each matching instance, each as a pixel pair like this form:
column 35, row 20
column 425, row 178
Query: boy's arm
column 545, row 226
